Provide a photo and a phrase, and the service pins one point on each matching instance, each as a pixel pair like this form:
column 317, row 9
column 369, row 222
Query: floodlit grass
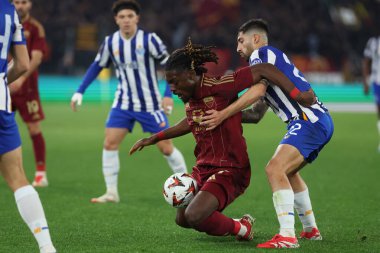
column 343, row 183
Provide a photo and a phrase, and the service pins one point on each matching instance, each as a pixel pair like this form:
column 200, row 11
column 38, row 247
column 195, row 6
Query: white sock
column 176, row 161
column 378, row 126
column 283, row 201
column 32, row 212
column 304, row 209
column 111, row 167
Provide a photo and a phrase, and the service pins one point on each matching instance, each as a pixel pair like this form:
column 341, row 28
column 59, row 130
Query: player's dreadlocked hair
column 191, row 57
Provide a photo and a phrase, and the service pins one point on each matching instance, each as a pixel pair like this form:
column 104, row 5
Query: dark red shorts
column 226, row 184
column 29, row 106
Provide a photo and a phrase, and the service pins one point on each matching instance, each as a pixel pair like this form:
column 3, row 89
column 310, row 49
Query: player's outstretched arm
column 181, row 128
column 253, row 94
column 92, row 72
column 276, row 77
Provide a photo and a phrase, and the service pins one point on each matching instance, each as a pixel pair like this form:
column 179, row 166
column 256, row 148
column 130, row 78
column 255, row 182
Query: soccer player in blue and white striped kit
column 309, row 130
column 28, row 202
column 371, row 73
column 133, row 53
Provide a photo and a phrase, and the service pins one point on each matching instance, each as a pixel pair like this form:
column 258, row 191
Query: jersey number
column 4, row 38
column 32, row 106
column 294, row 128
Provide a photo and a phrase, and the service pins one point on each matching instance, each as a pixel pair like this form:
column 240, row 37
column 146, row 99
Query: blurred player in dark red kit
column 24, row 91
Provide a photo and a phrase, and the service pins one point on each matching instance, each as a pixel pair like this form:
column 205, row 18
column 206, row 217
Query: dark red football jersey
column 35, row 40
column 225, row 145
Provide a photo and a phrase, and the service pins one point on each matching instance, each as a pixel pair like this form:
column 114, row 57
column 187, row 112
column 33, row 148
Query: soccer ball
column 180, row 189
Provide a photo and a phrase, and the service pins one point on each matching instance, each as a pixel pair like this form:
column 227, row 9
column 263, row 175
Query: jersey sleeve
column 103, row 57
column 256, row 57
column 368, row 50
column 38, row 41
column 18, row 35
column 158, row 49
column 230, row 85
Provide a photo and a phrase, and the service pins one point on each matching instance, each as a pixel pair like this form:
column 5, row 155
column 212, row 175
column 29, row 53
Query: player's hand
column 76, row 100
column 167, row 104
column 212, row 119
column 16, row 85
column 140, row 144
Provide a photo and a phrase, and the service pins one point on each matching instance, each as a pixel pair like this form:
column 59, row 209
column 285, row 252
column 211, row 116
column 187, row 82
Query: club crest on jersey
column 255, row 61
column 197, row 115
column 209, row 101
column 140, row 50
column 116, row 52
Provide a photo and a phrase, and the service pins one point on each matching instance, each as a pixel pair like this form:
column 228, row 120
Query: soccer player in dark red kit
column 24, row 91
column 222, row 168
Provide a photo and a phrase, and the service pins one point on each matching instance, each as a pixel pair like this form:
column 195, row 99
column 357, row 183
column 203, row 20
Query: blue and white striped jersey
column 10, row 33
column 372, row 51
column 134, row 61
column 281, row 103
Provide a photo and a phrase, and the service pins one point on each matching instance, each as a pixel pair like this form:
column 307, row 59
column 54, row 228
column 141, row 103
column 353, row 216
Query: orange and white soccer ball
column 180, row 189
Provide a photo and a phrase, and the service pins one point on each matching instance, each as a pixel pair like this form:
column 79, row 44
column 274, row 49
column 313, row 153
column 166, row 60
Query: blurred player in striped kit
column 11, row 168
column 133, row 53
column 310, row 128
column 24, row 91
column 371, row 73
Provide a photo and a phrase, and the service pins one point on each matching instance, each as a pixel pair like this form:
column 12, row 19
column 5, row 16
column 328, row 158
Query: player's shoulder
column 37, row 25
column 6, row 7
column 111, row 36
column 208, row 80
column 273, row 49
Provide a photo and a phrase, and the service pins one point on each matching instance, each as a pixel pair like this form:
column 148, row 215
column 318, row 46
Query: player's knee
column 181, row 221
column 34, row 129
column 110, row 145
column 273, row 167
column 193, row 217
column 165, row 147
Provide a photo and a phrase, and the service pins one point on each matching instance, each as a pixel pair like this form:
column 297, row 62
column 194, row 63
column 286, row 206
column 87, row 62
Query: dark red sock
column 39, row 151
column 217, row 224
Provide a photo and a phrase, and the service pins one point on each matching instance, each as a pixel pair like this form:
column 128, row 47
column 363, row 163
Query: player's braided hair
column 191, row 57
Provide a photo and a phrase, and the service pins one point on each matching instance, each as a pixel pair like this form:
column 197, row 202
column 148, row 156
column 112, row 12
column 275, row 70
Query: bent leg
column 201, row 214
column 302, row 204
column 286, row 160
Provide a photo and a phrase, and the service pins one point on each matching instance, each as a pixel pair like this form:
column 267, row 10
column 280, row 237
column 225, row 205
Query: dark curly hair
column 126, row 4
column 191, row 57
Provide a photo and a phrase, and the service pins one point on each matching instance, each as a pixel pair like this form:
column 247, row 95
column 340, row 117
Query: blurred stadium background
column 325, row 38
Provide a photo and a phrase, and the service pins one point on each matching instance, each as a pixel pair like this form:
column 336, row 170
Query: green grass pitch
column 343, row 181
